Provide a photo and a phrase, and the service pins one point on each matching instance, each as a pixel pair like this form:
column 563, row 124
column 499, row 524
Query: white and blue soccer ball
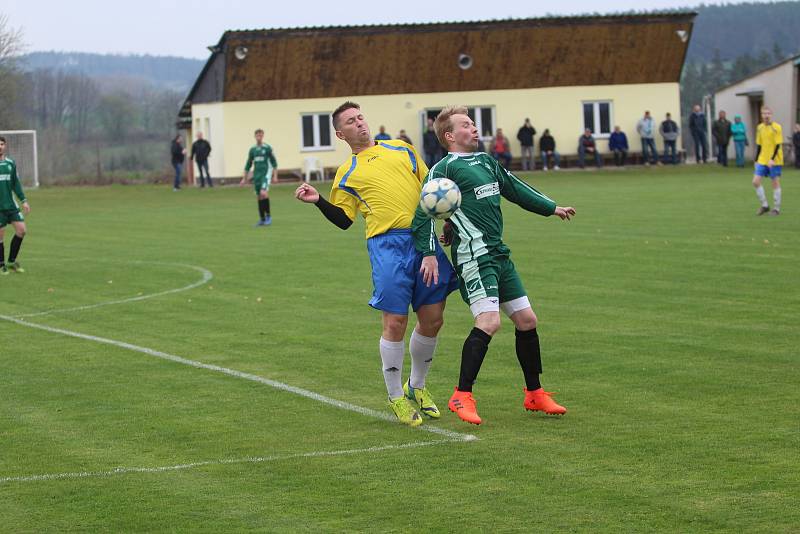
column 440, row 198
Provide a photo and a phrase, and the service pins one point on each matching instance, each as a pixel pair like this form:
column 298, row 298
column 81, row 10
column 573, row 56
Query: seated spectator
column 501, row 150
column 586, row 145
column 403, row 137
column 547, row 145
column 618, row 144
column 383, row 136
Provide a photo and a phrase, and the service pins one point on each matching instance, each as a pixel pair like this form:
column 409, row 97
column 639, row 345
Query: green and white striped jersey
column 478, row 223
column 9, row 185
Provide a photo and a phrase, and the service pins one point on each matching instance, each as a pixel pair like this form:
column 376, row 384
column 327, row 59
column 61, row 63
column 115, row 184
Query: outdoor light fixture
column 464, row 61
column 240, row 52
column 683, row 35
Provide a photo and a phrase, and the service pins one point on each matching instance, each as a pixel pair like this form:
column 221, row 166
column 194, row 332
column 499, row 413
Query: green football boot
column 423, row 399
column 405, row 413
column 3, row 270
column 16, row 267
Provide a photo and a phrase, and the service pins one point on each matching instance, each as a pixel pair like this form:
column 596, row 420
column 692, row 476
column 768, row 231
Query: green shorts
column 9, row 216
column 490, row 276
column 261, row 183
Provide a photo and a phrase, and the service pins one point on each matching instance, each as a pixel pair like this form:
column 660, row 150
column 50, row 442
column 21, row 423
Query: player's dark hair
column 258, row 131
column 2, row 139
column 443, row 124
column 341, row 109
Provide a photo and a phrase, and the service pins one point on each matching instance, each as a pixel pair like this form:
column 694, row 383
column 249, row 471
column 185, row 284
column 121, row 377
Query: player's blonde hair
column 443, row 124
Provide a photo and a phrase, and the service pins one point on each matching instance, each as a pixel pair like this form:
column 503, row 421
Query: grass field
column 668, row 318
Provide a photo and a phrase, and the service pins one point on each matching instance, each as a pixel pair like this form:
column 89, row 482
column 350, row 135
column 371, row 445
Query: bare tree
column 11, row 45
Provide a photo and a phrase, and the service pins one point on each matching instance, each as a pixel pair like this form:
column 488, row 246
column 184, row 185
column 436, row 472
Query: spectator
column 586, row 145
column 796, row 144
column 525, row 138
column 669, row 130
column 646, row 129
column 403, row 137
column 200, row 151
column 178, row 155
column 721, row 130
column 739, row 132
column 618, row 144
column 501, row 149
column 699, row 129
column 430, row 145
column 382, row 136
column 547, row 145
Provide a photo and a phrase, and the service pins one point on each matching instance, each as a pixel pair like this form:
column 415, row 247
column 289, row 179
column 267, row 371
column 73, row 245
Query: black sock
column 2, row 252
column 266, row 206
column 261, row 211
column 16, row 242
column 475, row 347
column 530, row 357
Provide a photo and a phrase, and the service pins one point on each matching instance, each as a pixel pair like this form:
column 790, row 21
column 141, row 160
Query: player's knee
column 756, row 181
column 430, row 327
column 527, row 321
column 20, row 230
column 394, row 326
column 488, row 322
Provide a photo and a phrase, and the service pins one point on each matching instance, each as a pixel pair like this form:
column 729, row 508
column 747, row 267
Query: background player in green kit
column 487, row 277
column 9, row 210
column 265, row 169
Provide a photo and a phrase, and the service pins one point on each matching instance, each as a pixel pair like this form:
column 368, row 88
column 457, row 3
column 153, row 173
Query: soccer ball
column 440, row 198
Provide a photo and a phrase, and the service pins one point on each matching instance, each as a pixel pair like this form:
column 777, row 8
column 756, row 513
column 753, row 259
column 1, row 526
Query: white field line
column 194, row 465
column 207, row 276
column 456, row 436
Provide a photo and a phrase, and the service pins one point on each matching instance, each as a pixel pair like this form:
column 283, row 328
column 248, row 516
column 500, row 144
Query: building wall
column 559, row 108
column 779, row 86
column 210, row 119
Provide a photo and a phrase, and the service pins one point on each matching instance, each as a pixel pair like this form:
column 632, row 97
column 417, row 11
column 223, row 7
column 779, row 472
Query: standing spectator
column 739, row 132
column 721, row 130
column 178, row 155
column 525, row 138
column 382, row 135
column 646, row 129
column 586, row 145
column 796, row 144
column 547, row 145
column 403, row 137
column 200, row 151
column 699, row 129
column 669, row 130
column 430, row 145
column 618, row 144
column 501, row 149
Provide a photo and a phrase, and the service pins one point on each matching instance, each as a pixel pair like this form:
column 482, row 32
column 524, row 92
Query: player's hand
column 565, row 213
column 26, row 208
column 430, row 270
column 446, row 238
column 243, row 181
column 306, row 193
column 771, row 163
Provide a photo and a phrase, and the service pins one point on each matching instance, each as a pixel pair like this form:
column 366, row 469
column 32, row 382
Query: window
column 484, row 120
column 597, row 117
column 316, row 131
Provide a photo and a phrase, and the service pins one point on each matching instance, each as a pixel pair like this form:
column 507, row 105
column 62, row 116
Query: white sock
column 421, row 348
column 392, row 353
column 776, row 196
column 761, row 196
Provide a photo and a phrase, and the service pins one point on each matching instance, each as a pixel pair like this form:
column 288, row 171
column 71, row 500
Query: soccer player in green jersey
column 265, row 169
column 487, row 277
column 9, row 210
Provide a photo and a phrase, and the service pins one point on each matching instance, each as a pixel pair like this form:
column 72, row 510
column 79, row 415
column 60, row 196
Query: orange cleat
column 463, row 405
column 539, row 401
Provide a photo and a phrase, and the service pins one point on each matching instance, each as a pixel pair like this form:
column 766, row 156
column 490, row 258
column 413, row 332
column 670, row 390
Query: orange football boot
column 539, row 400
column 463, row 405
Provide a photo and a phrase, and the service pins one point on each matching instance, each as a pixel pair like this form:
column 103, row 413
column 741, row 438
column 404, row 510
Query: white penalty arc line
column 207, row 276
column 455, row 436
column 194, row 465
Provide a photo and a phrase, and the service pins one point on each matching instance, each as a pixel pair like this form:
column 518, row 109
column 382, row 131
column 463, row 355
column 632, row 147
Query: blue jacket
column 739, row 131
column 618, row 141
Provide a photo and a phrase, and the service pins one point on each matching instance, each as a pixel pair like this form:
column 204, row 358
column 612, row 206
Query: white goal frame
column 25, row 171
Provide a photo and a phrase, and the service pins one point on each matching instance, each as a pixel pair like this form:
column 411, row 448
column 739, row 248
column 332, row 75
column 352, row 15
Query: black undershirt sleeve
column 758, row 151
column 334, row 214
column 774, row 154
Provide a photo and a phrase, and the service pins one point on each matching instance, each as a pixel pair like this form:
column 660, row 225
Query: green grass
column 668, row 318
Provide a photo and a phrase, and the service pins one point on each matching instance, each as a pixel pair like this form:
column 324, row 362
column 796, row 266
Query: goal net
column 21, row 147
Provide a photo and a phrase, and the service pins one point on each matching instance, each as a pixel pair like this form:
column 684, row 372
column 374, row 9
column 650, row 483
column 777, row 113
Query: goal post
column 21, row 147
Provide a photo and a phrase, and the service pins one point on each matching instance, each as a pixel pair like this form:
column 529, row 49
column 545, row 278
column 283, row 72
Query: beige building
column 565, row 74
column 776, row 86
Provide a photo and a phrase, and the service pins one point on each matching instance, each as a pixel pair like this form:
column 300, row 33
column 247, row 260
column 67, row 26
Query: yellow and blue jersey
column 769, row 136
column 382, row 182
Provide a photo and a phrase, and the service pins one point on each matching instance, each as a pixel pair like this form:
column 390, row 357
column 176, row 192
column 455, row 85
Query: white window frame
column 596, row 110
column 317, row 147
column 479, row 122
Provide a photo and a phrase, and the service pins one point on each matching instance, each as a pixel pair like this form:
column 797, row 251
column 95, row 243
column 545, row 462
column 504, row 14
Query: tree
column 116, row 115
column 11, row 45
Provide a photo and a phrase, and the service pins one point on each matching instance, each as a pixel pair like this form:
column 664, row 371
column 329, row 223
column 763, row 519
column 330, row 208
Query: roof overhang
column 752, row 93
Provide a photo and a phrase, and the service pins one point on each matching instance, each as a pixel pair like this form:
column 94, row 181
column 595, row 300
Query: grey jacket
column 646, row 128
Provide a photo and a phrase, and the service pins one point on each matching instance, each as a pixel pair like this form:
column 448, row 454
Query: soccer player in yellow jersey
column 382, row 180
column 769, row 161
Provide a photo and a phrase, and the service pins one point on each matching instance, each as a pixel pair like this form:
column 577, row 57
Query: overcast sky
column 185, row 28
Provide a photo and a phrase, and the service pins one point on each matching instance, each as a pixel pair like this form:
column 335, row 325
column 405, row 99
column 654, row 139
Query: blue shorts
column 765, row 172
column 396, row 280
